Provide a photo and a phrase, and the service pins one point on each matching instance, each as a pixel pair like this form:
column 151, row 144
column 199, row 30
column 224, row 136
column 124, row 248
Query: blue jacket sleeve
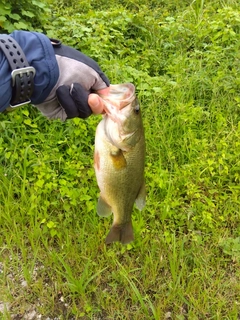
column 40, row 55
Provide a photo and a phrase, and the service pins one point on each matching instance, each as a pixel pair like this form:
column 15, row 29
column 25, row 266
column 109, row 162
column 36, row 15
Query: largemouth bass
column 119, row 161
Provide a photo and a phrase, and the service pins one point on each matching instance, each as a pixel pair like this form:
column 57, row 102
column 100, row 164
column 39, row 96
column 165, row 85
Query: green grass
column 183, row 58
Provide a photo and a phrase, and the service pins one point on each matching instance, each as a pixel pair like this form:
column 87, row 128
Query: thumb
column 95, row 103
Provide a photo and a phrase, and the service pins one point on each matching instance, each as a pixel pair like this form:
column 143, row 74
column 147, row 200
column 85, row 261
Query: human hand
column 77, row 102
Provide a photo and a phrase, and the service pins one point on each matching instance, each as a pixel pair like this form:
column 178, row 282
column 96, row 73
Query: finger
column 104, row 91
column 95, row 103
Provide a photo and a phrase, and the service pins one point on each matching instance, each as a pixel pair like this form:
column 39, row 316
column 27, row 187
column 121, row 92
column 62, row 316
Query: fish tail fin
column 127, row 233
column 122, row 233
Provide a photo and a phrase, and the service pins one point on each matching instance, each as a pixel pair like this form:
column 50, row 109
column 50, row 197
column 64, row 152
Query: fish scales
column 119, row 162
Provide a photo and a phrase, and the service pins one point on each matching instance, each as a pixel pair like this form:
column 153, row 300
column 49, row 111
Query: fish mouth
column 120, row 95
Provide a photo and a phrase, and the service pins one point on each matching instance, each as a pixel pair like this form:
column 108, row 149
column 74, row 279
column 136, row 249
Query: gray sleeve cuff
column 52, row 109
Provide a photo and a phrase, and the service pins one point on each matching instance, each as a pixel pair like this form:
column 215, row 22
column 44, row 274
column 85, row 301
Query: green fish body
column 119, row 161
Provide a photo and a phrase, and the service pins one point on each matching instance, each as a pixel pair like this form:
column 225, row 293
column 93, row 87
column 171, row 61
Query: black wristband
column 22, row 73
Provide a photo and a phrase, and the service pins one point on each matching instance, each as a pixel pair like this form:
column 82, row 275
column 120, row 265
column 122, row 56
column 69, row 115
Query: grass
column 81, row 278
column 185, row 260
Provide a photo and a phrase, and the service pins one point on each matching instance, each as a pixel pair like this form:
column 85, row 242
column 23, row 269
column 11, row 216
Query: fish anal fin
column 103, row 208
column 141, row 197
column 122, row 233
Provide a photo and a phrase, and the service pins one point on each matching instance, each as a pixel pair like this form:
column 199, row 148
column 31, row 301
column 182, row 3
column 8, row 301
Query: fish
column 119, row 159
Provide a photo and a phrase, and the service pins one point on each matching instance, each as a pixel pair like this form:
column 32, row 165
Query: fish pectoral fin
column 141, row 197
column 122, row 233
column 103, row 208
column 118, row 158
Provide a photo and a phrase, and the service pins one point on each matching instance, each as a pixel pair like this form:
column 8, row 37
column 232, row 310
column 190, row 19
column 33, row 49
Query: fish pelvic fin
column 103, row 208
column 141, row 197
column 122, row 233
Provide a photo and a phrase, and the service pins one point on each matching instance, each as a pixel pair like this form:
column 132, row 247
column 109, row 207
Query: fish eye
column 137, row 107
